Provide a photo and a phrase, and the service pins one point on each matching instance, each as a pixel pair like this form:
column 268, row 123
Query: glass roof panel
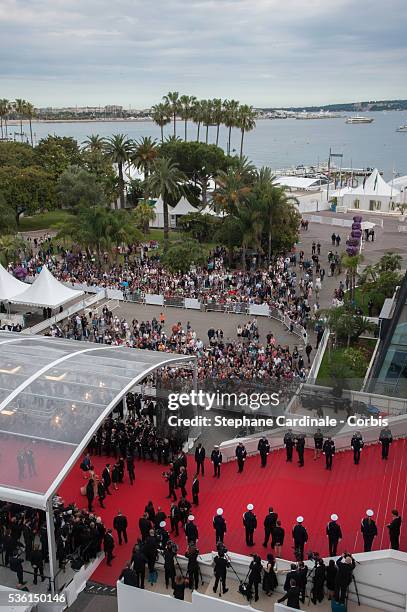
column 53, row 394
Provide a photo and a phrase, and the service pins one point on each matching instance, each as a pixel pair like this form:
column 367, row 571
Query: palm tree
column 198, row 115
column 10, row 247
column 250, row 224
column 231, row 108
column 207, row 116
column 351, row 264
column 246, row 121
column 159, row 114
column 118, row 148
column 217, row 115
column 94, row 143
column 272, row 198
column 172, row 102
column 19, row 107
column 232, row 190
column 144, row 153
column 4, row 110
column 166, row 181
column 186, row 110
column 143, row 214
column 29, row 112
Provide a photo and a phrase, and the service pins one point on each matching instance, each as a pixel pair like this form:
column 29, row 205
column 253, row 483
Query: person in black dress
column 255, row 571
column 270, row 581
column 331, row 572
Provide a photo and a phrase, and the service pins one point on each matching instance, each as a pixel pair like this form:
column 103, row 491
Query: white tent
column 10, row 286
column 159, row 214
column 375, row 185
column 46, row 291
column 373, row 194
column 183, row 208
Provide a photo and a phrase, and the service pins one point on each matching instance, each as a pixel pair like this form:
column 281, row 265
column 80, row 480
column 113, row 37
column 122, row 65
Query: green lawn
column 334, row 360
column 44, row 221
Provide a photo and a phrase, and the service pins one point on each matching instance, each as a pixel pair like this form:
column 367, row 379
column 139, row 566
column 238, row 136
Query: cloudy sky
column 263, row 52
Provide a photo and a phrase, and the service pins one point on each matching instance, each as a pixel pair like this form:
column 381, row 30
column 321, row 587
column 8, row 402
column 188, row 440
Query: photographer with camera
column 193, row 569
column 346, row 564
column 220, row 569
column 255, row 573
column 169, row 554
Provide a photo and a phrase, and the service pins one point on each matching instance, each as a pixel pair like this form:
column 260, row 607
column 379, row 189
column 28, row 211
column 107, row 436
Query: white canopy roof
column 183, row 207
column 375, row 185
column 46, row 291
column 298, row 182
column 10, row 286
column 209, row 211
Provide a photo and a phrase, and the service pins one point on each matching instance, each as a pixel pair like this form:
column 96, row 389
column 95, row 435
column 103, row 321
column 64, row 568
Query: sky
column 261, row 52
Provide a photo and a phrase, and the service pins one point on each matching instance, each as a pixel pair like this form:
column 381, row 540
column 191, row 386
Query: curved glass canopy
column 54, row 394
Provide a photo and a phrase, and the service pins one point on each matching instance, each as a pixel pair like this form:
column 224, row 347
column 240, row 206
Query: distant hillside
column 372, row 105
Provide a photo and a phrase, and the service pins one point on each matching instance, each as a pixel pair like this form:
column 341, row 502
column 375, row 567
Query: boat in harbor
column 402, row 128
column 358, row 119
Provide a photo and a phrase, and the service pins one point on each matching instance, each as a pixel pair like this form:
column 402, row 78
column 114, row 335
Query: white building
column 374, row 195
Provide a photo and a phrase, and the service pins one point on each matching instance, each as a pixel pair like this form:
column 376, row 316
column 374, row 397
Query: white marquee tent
column 373, row 194
column 9, row 285
column 183, row 207
column 46, row 291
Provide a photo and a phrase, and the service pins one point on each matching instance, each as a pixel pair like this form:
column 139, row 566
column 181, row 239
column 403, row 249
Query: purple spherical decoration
column 356, row 233
column 357, row 219
column 354, row 242
column 351, row 250
column 356, row 226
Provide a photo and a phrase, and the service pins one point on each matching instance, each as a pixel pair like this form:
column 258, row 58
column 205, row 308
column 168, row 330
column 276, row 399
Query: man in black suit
column 300, row 447
column 292, row 596
column 129, row 576
column 108, row 546
column 394, row 528
column 182, row 481
column 175, row 518
column 216, row 458
column 220, row 571
column 107, row 480
column 191, row 530
column 139, row 561
column 300, row 537
column 385, row 439
column 328, row 449
column 334, row 533
column 200, row 459
column 144, row 525
column 250, row 524
column 241, row 456
column 130, row 468
column 120, row 524
column 346, row 564
column 289, row 442
column 269, row 523
column 357, row 445
column 264, row 448
column 369, row 530
column 195, row 490
column 219, row 525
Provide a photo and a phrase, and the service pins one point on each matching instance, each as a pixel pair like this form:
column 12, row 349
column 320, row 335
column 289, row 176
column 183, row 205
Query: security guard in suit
column 329, row 450
column 241, row 455
column 219, row 524
column 289, row 442
column 386, row 438
column 369, row 530
column 250, row 524
column 357, row 445
column 334, row 533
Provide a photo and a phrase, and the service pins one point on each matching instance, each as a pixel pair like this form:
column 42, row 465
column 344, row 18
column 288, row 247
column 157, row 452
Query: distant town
column 118, row 112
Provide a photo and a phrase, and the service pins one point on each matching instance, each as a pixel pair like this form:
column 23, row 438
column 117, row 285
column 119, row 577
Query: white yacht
column 359, row 119
column 402, row 128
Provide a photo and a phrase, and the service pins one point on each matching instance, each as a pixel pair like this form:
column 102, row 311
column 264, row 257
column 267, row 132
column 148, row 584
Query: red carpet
column 49, row 459
column 311, row 491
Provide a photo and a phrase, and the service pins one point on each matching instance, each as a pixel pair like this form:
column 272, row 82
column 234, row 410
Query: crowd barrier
column 262, row 310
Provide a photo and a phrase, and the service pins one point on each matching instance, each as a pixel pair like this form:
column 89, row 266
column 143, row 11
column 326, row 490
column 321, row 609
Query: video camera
column 221, row 548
